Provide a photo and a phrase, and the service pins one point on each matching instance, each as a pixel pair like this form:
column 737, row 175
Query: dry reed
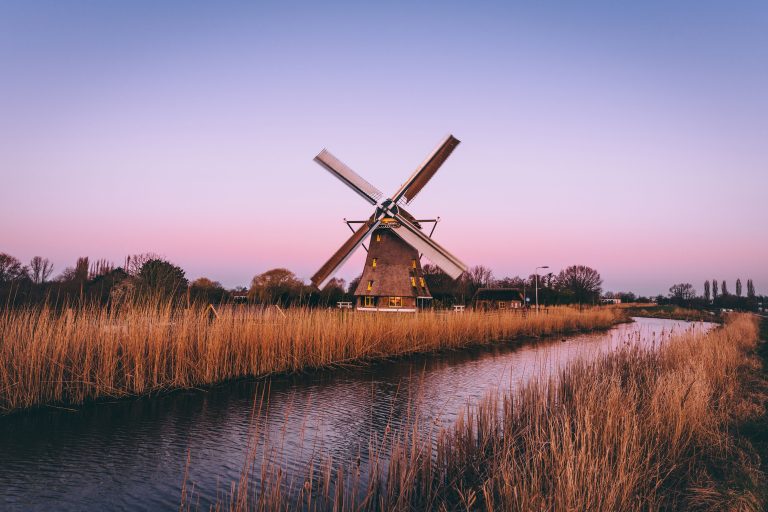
column 640, row 429
column 49, row 356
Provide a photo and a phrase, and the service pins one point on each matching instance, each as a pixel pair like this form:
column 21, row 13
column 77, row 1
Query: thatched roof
column 394, row 268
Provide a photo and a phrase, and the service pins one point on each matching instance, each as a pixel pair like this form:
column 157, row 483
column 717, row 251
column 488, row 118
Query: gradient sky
column 628, row 136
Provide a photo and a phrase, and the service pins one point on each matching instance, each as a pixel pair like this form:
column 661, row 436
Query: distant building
column 498, row 298
column 240, row 297
column 610, row 300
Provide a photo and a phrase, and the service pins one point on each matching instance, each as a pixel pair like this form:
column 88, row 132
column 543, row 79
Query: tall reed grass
column 639, row 429
column 49, row 356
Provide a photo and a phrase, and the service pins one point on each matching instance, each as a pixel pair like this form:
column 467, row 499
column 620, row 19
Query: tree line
column 716, row 295
column 148, row 273
column 575, row 284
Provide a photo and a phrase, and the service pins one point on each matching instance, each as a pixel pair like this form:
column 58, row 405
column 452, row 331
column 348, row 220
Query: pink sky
column 632, row 140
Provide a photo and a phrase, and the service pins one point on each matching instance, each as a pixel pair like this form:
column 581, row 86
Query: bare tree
column 41, row 269
column 738, row 287
column 100, row 267
column 714, row 289
column 583, row 282
column 515, row 282
column 474, row 278
column 706, row 290
column 478, row 276
column 134, row 262
column 724, row 289
column 682, row 292
column 11, row 268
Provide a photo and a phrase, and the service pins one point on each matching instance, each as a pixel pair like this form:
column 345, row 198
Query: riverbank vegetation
column 638, row 429
column 671, row 312
column 71, row 355
column 148, row 273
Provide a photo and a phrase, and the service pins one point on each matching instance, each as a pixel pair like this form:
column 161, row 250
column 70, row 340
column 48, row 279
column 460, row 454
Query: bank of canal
column 131, row 454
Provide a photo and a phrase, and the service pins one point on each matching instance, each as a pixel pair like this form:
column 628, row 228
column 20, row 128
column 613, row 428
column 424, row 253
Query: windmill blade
column 322, row 276
column 450, row 264
column 349, row 177
column 426, row 170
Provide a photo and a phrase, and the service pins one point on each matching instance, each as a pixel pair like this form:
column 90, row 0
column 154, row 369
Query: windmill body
column 393, row 278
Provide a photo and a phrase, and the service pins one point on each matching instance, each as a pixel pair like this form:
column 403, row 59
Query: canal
column 131, row 454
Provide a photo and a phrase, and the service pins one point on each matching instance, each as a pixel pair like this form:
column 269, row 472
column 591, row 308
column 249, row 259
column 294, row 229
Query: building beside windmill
column 393, row 279
column 498, row 298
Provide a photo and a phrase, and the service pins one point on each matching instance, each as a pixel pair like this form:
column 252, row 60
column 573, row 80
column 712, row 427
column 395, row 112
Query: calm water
column 131, row 454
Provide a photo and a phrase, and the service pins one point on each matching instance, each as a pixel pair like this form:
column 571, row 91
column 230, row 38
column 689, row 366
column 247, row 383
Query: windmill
column 392, row 279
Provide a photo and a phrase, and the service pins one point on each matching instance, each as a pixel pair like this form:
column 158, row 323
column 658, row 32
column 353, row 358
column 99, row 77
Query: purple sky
column 632, row 138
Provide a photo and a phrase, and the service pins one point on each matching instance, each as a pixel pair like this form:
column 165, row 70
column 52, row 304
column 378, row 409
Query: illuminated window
column 422, row 283
column 370, row 285
column 368, row 301
column 413, row 263
column 395, row 302
column 373, row 264
column 413, row 281
column 378, row 238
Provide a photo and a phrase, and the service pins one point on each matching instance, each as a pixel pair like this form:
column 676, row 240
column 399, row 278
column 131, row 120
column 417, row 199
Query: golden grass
column 634, row 430
column 91, row 352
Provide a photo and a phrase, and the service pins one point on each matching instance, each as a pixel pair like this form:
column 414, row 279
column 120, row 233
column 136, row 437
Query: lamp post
column 537, row 286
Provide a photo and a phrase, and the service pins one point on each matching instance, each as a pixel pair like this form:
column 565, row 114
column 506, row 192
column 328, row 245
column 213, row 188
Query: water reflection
column 130, row 454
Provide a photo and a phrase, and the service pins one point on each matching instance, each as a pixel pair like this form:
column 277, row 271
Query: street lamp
column 537, row 286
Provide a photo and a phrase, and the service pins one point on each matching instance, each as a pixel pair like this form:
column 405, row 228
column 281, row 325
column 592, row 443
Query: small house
column 498, row 298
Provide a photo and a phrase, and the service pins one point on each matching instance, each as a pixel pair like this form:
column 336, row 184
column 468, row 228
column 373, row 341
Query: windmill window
column 413, row 281
column 370, row 285
column 395, row 302
column 502, row 305
column 378, row 238
column 413, row 263
column 368, row 301
column 422, row 283
column 373, row 263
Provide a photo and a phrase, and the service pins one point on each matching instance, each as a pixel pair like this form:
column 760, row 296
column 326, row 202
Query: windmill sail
column 393, row 269
column 348, row 176
column 426, row 170
column 449, row 263
column 326, row 272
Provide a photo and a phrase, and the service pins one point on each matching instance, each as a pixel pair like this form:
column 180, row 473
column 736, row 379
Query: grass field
column 55, row 357
column 638, row 429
